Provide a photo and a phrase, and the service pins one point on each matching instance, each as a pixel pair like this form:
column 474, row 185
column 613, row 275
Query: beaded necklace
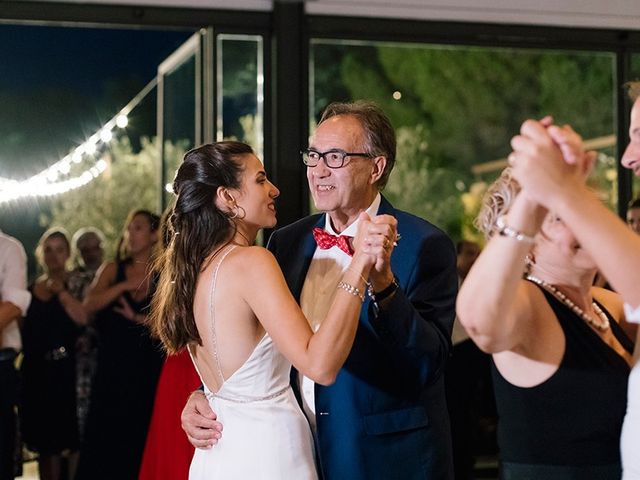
column 602, row 324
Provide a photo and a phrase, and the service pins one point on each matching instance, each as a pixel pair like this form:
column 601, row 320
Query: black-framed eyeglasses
column 334, row 158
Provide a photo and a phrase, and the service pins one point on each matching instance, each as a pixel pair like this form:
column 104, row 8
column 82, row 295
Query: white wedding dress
column 265, row 434
column 631, row 427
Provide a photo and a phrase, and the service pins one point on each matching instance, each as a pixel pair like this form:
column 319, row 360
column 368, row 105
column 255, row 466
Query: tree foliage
column 462, row 105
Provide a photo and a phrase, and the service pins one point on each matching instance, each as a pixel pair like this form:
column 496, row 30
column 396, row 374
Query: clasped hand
column 377, row 236
column 546, row 158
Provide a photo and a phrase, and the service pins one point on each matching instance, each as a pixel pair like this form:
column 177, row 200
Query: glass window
column 178, row 94
column 240, row 95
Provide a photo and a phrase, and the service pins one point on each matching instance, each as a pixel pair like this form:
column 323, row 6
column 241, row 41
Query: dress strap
column 213, row 316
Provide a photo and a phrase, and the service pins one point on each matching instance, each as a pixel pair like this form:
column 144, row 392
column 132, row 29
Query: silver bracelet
column 367, row 284
column 351, row 289
column 506, row 231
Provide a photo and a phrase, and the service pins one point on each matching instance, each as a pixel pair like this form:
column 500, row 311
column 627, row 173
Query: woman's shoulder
column 254, row 255
column 107, row 273
column 242, row 267
column 109, row 267
column 239, row 257
column 254, row 263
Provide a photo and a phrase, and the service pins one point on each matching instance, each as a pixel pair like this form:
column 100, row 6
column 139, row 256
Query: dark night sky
column 60, row 84
column 36, row 57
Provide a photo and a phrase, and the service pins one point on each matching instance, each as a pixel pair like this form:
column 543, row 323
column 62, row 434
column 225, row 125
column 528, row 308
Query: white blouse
column 630, row 440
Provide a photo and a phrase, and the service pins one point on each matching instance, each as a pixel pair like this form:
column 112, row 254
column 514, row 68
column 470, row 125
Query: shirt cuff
column 631, row 314
column 20, row 298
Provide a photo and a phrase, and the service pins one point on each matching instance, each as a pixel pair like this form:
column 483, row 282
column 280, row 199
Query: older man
column 385, row 416
column 14, row 301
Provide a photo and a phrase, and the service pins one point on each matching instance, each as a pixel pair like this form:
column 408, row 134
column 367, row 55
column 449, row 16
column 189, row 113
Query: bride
column 228, row 302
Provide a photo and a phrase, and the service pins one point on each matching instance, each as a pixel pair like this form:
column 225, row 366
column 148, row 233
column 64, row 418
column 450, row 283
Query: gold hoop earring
column 238, row 212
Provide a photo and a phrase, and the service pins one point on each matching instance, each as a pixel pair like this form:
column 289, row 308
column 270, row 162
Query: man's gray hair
column 380, row 137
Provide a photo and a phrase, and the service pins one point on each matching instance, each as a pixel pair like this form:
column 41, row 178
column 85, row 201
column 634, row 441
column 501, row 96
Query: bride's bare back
column 221, row 310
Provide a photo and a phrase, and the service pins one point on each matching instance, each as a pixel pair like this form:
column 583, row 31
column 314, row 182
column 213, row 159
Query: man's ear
column 379, row 164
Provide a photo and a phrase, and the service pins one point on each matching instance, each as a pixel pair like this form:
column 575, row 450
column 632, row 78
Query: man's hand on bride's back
column 199, row 421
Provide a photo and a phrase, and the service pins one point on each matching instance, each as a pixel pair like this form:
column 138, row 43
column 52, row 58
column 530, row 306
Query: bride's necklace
column 602, row 324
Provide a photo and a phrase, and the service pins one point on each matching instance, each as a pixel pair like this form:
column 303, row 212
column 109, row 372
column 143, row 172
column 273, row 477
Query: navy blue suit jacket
column 385, row 417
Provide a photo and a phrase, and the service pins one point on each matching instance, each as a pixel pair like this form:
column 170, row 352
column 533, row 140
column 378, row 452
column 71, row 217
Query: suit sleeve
column 416, row 323
column 272, row 242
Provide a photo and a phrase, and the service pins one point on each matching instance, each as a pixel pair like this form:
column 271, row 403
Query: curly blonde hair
column 496, row 201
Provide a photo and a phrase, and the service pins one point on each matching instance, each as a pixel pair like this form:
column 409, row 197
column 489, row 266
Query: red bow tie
column 325, row 240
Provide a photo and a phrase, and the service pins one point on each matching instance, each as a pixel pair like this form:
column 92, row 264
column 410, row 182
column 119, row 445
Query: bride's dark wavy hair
column 196, row 228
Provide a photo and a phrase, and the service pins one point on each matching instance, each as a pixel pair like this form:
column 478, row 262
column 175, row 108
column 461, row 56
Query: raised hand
column 124, row 308
column 131, row 284
column 380, row 239
column 546, row 157
column 54, row 286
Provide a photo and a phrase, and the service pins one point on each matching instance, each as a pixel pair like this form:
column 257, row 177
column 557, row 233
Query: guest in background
column 88, row 245
column 129, row 361
column 467, row 253
column 14, row 301
column 633, row 215
column 468, row 385
column 51, row 326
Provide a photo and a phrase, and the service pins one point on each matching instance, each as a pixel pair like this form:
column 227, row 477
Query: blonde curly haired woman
column 560, row 357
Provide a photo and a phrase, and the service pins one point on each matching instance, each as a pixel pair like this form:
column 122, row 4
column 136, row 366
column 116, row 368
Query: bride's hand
column 379, row 235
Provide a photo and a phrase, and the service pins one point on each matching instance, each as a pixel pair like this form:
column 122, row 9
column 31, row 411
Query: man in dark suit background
column 386, row 415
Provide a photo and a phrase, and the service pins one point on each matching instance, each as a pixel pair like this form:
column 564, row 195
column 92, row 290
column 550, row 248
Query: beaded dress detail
column 265, row 435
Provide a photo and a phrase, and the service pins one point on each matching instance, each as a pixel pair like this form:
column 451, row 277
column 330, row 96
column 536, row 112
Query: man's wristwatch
column 387, row 291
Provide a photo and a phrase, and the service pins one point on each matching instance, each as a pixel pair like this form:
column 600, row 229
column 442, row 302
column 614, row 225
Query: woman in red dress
column 167, row 453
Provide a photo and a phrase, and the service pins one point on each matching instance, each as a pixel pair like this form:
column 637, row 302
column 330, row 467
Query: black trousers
column 468, row 384
column 8, row 401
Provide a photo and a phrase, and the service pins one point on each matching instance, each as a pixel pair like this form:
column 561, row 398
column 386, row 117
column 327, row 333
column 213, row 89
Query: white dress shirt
column 631, row 426
column 325, row 271
column 13, row 286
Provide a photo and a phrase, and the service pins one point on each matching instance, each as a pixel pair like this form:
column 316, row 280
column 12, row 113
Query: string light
column 37, row 186
column 49, row 182
column 106, row 135
column 122, row 121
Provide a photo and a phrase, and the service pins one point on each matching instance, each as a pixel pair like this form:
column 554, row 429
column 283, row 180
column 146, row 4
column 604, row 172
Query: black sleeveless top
column 574, row 418
column 122, row 395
